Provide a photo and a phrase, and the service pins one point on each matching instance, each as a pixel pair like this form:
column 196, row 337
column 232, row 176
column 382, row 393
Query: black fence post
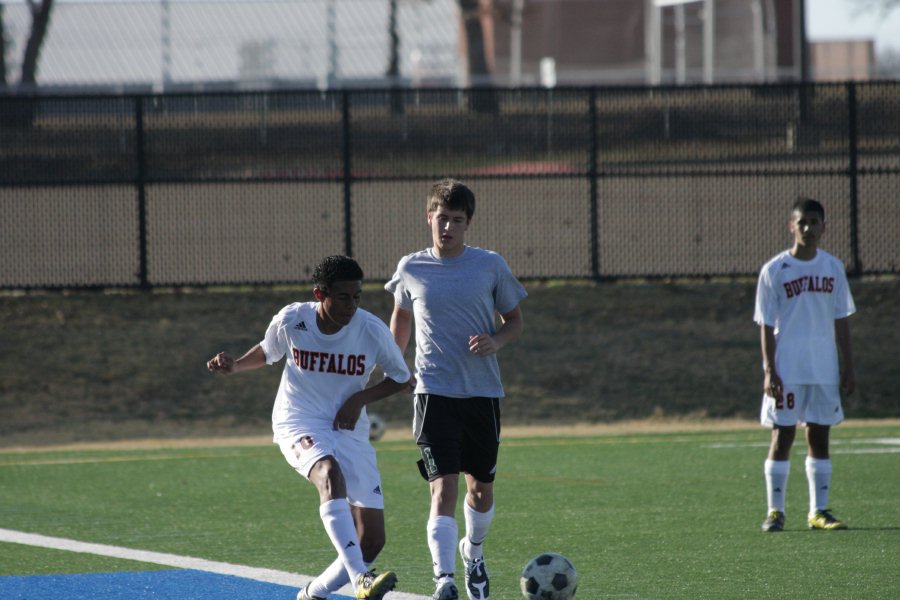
column 853, row 167
column 593, row 174
column 141, row 183
column 348, row 182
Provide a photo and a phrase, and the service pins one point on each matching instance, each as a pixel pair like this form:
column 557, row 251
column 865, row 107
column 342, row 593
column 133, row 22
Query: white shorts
column 355, row 456
column 813, row 403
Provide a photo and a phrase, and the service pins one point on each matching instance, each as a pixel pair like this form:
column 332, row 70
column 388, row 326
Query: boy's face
column 340, row 301
column 807, row 228
column 448, row 230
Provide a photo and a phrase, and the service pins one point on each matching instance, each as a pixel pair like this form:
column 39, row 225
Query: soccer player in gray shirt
column 453, row 292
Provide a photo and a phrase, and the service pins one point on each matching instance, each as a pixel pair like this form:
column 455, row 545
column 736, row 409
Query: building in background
column 842, row 60
column 649, row 41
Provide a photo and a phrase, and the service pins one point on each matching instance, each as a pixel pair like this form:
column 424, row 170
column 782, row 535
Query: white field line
column 885, row 445
column 174, row 560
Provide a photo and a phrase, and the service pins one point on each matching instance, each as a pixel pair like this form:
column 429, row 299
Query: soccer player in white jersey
column 803, row 302
column 453, row 292
column 319, row 418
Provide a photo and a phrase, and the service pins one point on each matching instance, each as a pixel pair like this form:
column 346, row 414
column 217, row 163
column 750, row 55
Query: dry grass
column 105, row 367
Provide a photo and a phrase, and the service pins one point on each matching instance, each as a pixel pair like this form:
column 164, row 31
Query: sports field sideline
column 195, row 578
column 644, row 510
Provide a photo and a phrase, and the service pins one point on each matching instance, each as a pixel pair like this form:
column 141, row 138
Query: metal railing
column 232, row 188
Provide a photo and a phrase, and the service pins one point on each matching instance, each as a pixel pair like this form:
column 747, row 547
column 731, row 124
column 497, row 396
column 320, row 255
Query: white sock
column 442, row 535
column 818, row 474
column 477, row 526
column 339, row 525
column 330, row 580
column 776, row 472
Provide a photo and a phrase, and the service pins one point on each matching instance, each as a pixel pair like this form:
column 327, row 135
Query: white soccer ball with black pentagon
column 549, row 576
column 376, row 427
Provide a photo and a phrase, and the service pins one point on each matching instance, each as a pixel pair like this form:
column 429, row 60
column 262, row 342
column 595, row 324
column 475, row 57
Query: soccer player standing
column 453, row 292
column 319, row 418
column 803, row 302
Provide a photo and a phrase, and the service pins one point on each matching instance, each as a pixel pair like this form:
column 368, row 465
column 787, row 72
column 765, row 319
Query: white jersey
column 322, row 371
column 801, row 299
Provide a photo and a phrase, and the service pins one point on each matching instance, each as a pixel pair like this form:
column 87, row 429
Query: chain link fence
column 196, row 189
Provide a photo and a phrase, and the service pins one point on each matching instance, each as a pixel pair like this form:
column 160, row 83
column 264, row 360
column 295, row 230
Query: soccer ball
column 549, row 576
column 376, row 427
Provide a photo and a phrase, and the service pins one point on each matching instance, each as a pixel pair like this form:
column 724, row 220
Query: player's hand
column 348, row 414
column 482, row 345
column 411, row 384
column 772, row 385
column 848, row 381
column 221, row 363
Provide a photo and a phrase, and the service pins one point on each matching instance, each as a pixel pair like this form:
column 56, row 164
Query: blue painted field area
column 145, row 585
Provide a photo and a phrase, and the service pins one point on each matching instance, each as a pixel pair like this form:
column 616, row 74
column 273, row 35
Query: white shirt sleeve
column 275, row 343
column 843, row 305
column 397, row 286
column 766, row 300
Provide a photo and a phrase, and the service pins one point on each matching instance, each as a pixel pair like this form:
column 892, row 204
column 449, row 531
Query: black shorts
column 457, row 435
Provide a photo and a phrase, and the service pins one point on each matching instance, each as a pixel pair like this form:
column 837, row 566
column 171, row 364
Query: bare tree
column 2, row 49
column 483, row 98
column 889, row 64
column 888, row 61
column 471, row 13
column 20, row 112
column 40, row 21
column 393, row 69
column 885, row 6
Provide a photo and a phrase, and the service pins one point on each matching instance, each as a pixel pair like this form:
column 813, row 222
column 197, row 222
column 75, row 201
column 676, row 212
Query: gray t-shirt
column 452, row 299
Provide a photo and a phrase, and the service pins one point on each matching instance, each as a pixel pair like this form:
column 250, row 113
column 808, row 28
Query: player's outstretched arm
column 225, row 364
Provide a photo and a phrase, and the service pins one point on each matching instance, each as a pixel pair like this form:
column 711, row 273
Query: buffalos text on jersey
column 811, row 283
column 326, row 362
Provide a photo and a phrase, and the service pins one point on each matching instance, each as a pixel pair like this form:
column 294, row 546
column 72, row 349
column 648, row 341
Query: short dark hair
column 804, row 205
column 336, row 268
column 453, row 195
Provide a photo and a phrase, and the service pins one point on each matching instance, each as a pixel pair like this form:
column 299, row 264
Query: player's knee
column 481, row 497
column 443, row 499
column 327, row 477
column 817, row 440
column 780, row 449
column 782, row 440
